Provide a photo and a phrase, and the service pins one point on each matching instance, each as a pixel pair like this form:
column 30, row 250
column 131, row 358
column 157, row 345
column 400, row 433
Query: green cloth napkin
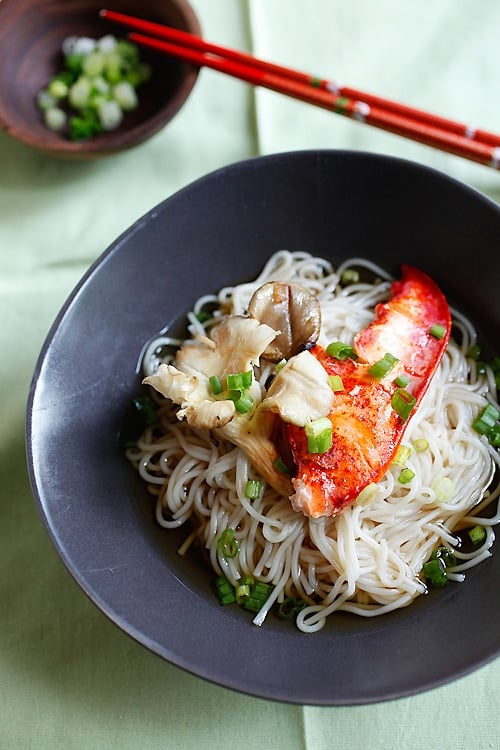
column 68, row 677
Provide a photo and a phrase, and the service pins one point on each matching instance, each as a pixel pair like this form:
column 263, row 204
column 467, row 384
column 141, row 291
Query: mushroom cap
column 290, row 309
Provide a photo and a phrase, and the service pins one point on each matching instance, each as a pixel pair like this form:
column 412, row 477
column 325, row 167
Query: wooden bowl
column 31, row 36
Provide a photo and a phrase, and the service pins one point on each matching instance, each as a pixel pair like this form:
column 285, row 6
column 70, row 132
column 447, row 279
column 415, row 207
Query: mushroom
column 235, row 346
column 290, row 309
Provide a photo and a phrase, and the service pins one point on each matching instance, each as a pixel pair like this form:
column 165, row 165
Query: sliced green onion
column 244, row 403
column 225, row 591
column 258, row 596
column 55, row 118
column 239, row 380
column 58, row 88
column 435, row 573
column 79, row 93
column 215, row 384
column 444, row 488
column 319, row 435
column 446, row 554
column 231, row 395
column 243, row 589
column 420, row 445
column 380, row 368
column 401, row 381
column 437, row 331
column 336, row 383
column 45, row 100
column 290, row 607
column 402, row 455
column 403, row 402
column 202, row 316
column 99, row 75
column 494, row 435
column 486, row 419
column 339, row 350
column 228, row 546
column 84, row 127
column 280, row 465
column 474, row 352
column 367, row 494
column 126, row 96
column 74, row 62
column 280, row 365
column 477, row 535
column 253, row 489
column 406, row 476
column 110, row 115
column 349, row 276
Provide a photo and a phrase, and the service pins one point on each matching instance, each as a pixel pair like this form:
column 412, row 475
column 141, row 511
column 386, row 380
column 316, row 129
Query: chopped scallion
column 435, row 573
column 494, row 436
column 403, row 402
column 258, row 596
column 228, row 546
column 420, row 445
column 349, row 276
column 243, row 589
column 367, row 494
column 446, row 554
column 401, row 381
column 474, row 352
column 477, row 535
column 244, row 403
column 253, row 489
column 215, row 384
column 99, row 78
column 339, row 350
column 380, row 368
column 486, row 419
column 336, row 383
column 290, row 607
column 444, row 488
column 280, row 465
column 402, row 455
column 202, row 316
column 438, row 331
column 55, row 118
column 280, row 365
column 319, row 435
column 225, row 591
column 406, row 476
column 239, row 380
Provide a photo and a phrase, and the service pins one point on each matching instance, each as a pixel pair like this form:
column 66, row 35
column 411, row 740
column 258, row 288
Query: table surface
column 68, row 677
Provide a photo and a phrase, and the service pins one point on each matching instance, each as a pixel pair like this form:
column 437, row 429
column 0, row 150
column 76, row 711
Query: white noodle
column 368, row 559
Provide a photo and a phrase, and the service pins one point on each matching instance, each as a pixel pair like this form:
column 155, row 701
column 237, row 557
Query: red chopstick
column 432, row 130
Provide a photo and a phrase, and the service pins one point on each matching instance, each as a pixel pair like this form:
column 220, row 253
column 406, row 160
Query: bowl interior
column 31, row 36
column 333, row 204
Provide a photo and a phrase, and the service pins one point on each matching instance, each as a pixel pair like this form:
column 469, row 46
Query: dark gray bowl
column 219, row 231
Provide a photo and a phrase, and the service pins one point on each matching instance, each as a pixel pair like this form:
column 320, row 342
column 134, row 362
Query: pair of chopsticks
column 432, row 130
